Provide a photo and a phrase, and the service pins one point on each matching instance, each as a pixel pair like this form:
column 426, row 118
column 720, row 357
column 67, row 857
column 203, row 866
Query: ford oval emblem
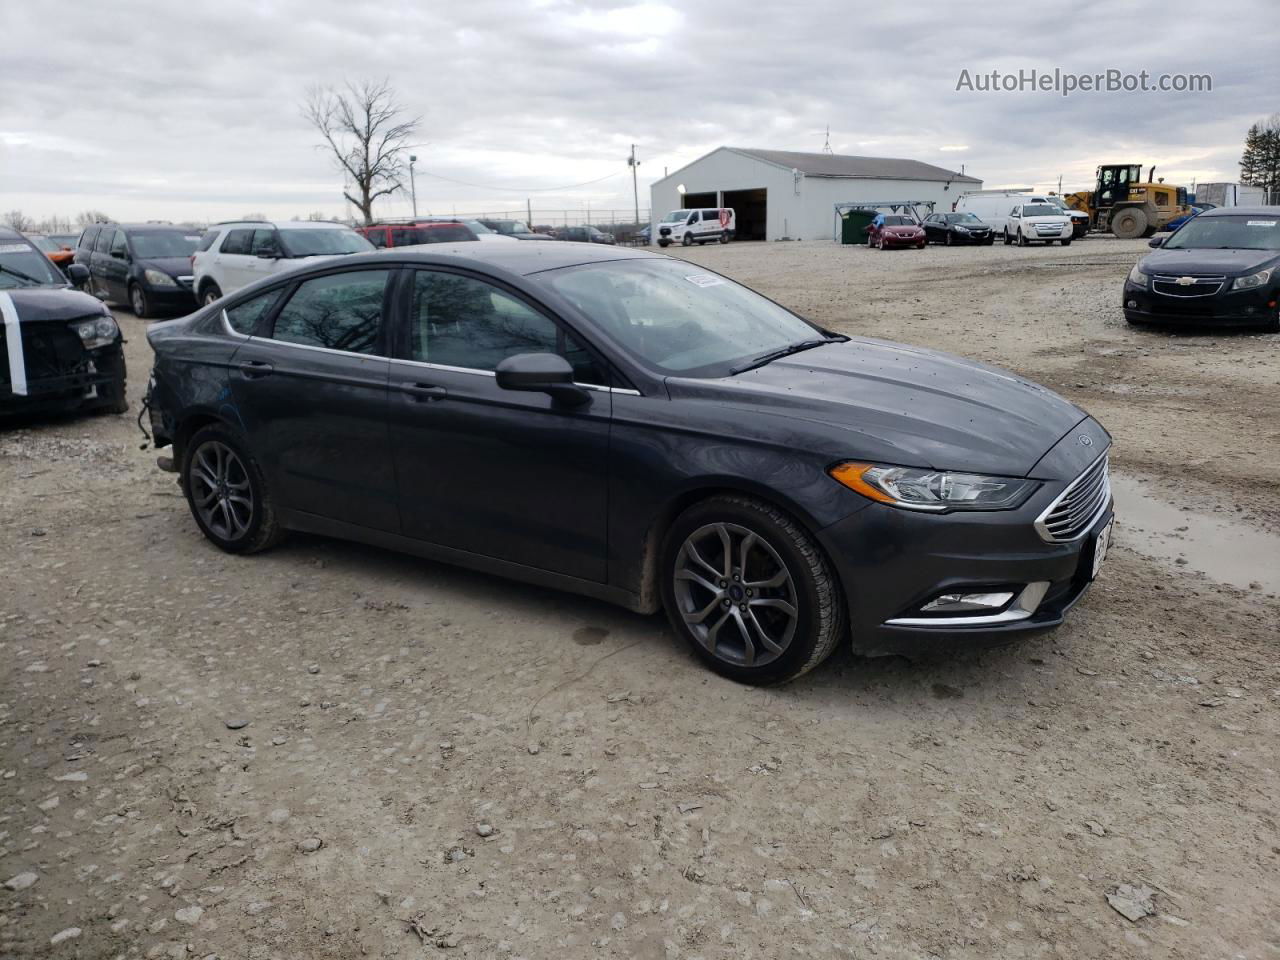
column 1086, row 440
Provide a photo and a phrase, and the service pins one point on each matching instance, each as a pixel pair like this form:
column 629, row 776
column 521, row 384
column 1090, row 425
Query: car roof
column 291, row 224
column 521, row 259
column 1242, row 211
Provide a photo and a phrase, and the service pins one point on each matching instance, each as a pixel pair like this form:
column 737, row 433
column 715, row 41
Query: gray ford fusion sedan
column 640, row 429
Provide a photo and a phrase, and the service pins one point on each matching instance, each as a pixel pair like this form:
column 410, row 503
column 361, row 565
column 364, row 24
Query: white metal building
column 780, row 193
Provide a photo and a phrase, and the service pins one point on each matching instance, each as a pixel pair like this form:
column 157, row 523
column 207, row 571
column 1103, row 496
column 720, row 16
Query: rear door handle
column 423, row 391
column 255, row 368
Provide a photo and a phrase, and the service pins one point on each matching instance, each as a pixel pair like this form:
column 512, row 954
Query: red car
column 411, row 234
column 895, row 230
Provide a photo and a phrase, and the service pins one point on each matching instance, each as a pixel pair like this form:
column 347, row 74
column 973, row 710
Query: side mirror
column 78, row 274
column 1156, row 242
column 120, row 254
column 541, row 373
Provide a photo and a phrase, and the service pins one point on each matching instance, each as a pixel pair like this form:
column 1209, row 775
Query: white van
column 704, row 225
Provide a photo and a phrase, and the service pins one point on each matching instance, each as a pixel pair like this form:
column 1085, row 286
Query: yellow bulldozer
column 1122, row 203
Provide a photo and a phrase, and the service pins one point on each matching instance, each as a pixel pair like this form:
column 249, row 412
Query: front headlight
column 1137, row 277
column 1259, row 279
column 97, row 332
column 158, row 278
column 934, row 490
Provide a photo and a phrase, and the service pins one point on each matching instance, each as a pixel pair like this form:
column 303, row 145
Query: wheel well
column 186, row 430
column 648, row 593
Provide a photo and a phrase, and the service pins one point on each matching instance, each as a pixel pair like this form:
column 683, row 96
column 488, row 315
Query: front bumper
column 890, row 240
column 84, row 387
column 1245, row 308
column 892, row 562
column 180, row 297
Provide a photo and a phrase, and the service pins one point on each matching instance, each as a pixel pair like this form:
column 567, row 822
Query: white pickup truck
column 1044, row 222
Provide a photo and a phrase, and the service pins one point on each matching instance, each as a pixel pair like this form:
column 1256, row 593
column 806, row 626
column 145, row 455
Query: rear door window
column 247, row 317
column 206, row 241
column 119, row 244
column 237, row 241
column 103, row 242
column 86, row 239
column 339, row 311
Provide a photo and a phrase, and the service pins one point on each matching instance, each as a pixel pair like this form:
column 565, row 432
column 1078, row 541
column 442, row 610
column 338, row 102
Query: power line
column 493, row 186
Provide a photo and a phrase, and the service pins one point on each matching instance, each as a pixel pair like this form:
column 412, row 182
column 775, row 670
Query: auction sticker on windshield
column 705, row 280
column 1261, row 223
column 14, row 248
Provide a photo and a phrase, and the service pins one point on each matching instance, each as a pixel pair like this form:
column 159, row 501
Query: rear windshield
column 21, row 266
column 1242, row 232
column 320, row 242
column 152, row 244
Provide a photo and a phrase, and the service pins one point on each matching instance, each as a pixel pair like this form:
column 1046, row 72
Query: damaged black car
column 60, row 350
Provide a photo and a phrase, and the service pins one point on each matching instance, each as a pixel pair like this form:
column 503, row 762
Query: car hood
column 34, row 304
column 174, row 266
column 905, row 405
column 1231, row 263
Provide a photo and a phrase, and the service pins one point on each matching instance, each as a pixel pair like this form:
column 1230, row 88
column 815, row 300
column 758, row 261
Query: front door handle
column 423, row 391
column 255, row 368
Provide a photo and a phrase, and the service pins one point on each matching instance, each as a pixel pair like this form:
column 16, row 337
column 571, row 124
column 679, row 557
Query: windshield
column 677, row 318
column 1040, row 210
column 899, row 222
column 962, row 218
column 322, row 241
column 1242, row 232
column 21, row 266
column 675, row 215
column 152, row 244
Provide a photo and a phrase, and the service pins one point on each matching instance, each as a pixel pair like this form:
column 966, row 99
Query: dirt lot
column 333, row 751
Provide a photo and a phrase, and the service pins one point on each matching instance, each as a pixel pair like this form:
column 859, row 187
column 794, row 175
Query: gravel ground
column 333, row 751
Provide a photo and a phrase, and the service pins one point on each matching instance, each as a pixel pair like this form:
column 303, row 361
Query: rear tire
column 227, row 493
column 686, row 240
column 1129, row 224
column 948, row 241
column 790, row 621
column 724, row 236
column 209, row 294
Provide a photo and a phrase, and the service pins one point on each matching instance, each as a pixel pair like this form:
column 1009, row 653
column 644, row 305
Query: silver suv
column 234, row 254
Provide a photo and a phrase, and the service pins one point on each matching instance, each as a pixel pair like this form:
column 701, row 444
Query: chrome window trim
column 1024, row 605
column 1041, row 522
column 231, row 331
column 308, row 346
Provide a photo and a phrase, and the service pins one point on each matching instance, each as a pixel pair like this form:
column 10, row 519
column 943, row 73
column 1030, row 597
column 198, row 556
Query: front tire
column 664, row 243
column 750, row 590
column 1066, row 243
column 139, row 302
column 227, row 494
column 1022, row 241
column 1007, row 239
column 948, row 241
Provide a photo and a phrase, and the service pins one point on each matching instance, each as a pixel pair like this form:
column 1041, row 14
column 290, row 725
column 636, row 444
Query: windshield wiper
column 19, row 274
column 786, row 351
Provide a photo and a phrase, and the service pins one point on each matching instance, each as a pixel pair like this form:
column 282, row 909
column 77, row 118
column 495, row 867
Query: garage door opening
column 694, row 200
column 749, row 209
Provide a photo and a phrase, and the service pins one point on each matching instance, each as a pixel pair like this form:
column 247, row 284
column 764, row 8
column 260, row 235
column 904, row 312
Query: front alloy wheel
column 750, row 591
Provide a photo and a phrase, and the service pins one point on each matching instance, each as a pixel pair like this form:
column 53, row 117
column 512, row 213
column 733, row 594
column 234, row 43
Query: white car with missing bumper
column 1037, row 222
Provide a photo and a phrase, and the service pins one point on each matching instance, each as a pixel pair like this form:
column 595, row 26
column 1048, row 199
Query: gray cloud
column 147, row 110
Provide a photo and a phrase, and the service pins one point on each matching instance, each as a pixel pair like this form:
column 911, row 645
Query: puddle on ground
column 1219, row 547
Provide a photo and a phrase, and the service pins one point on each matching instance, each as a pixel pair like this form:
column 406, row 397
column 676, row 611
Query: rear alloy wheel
column 138, row 301
column 686, row 240
column 211, row 293
column 226, row 492
column 724, row 236
column 750, row 591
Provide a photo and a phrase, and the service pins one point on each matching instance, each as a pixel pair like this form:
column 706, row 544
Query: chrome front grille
column 1180, row 287
column 1076, row 509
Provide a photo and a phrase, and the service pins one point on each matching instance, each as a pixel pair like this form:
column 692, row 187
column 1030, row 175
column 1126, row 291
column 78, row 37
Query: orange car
column 58, row 248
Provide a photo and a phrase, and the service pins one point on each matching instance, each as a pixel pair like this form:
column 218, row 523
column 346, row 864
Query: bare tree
column 19, row 221
column 86, row 217
column 364, row 127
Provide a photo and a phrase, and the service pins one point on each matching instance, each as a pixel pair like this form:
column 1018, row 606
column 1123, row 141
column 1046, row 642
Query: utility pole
column 528, row 209
column 633, row 163
column 413, row 185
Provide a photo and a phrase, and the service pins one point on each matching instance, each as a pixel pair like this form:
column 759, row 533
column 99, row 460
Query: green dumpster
column 853, row 225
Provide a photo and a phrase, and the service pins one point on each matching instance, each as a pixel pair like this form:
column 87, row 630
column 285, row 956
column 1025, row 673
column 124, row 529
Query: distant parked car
column 146, row 265
column 475, row 226
column 953, row 228
column 236, row 253
column 584, row 235
column 515, row 228
column 414, row 234
column 645, row 234
column 60, row 349
column 60, row 252
column 1039, row 222
column 1196, row 210
column 687, row 227
column 1079, row 218
column 890, row 230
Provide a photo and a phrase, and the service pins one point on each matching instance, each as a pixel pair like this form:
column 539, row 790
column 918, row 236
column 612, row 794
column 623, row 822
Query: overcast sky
column 166, row 111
